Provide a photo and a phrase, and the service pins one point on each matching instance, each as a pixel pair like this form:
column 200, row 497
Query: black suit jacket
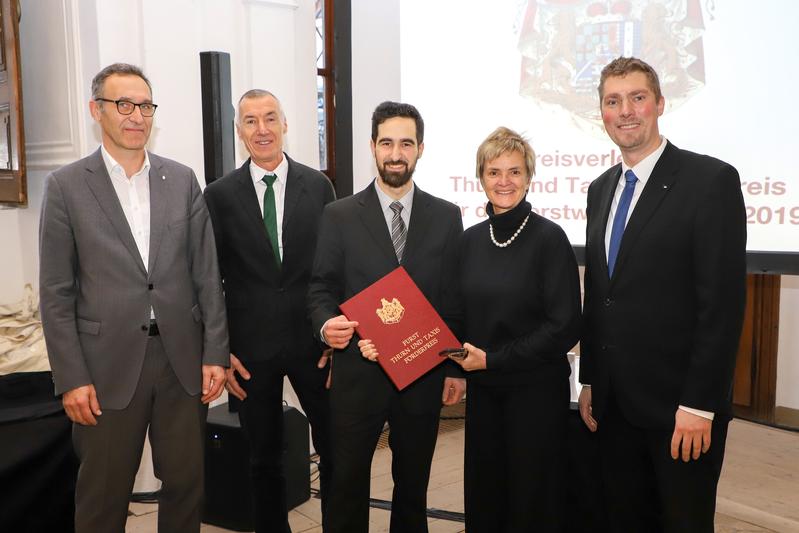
column 354, row 251
column 664, row 330
column 266, row 304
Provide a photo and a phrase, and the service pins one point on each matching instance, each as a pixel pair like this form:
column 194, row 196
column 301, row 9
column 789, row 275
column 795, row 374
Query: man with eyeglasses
column 132, row 310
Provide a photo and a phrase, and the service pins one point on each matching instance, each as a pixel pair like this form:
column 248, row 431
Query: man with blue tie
column 665, row 289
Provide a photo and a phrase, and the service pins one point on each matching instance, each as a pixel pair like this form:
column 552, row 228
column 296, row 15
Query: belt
column 153, row 330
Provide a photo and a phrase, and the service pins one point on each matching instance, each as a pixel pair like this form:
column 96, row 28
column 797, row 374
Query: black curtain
column 38, row 467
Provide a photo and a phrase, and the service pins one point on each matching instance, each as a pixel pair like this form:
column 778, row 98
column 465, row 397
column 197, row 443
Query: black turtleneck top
column 521, row 303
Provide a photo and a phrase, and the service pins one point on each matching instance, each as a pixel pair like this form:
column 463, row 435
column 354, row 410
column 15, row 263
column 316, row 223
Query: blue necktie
column 620, row 219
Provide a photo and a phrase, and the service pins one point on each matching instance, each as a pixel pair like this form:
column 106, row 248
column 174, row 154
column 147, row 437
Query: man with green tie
column 265, row 216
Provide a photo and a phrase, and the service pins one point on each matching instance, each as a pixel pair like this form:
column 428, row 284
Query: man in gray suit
column 133, row 312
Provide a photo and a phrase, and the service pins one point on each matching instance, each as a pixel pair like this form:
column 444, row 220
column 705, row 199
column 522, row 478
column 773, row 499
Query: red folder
column 406, row 330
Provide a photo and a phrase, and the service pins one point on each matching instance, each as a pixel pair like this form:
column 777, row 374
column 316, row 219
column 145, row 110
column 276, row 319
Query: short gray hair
column 122, row 69
column 258, row 93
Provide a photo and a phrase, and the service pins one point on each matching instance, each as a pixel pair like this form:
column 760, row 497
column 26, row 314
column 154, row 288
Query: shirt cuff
column 698, row 412
column 322, row 331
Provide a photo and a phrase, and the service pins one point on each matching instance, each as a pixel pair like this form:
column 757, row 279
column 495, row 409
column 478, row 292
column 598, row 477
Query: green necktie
column 270, row 214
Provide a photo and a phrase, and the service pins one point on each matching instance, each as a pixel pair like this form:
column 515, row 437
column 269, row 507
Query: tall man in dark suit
column 132, row 311
column 664, row 300
column 355, row 249
column 265, row 216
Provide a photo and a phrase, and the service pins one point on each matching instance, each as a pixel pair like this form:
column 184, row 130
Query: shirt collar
column 386, row 200
column 281, row 171
column 112, row 167
column 645, row 167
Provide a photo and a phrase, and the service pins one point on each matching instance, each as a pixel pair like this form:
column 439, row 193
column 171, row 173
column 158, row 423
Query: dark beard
column 395, row 179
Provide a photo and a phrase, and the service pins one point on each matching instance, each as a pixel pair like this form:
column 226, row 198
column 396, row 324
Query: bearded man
column 361, row 239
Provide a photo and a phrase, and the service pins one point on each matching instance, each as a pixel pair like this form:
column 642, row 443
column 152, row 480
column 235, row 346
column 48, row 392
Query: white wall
column 375, row 76
column 65, row 42
column 271, row 43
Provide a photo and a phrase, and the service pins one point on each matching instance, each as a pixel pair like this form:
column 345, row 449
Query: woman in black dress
column 520, row 294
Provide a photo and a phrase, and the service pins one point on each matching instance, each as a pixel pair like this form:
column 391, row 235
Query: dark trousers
column 354, row 437
column 110, row 453
column 261, row 416
column 515, row 462
column 647, row 490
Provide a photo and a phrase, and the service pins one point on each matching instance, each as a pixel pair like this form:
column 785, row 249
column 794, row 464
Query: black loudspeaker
column 228, row 494
column 218, row 115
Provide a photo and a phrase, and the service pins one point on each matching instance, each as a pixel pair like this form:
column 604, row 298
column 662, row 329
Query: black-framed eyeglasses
column 126, row 107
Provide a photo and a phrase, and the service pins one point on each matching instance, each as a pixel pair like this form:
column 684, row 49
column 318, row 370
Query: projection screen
column 727, row 73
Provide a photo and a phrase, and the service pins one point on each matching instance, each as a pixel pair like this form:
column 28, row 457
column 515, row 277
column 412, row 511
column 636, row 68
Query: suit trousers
column 354, row 437
column 110, row 453
column 647, row 490
column 515, row 457
column 261, row 416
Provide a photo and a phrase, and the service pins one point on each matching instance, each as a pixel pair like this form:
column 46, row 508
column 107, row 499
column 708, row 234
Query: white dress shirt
column 134, row 196
column 642, row 171
column 281, row 171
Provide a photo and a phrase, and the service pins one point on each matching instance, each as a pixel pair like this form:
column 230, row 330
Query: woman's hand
column 368, row 350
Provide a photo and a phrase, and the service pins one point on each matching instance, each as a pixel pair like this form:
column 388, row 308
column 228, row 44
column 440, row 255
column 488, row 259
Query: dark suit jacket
column 96, row 293
column 664, row 330
column 265, row 304
column 354, row 251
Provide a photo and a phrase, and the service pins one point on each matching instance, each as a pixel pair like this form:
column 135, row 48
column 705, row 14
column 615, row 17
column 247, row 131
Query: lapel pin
column 665, row 186
column 163, row 177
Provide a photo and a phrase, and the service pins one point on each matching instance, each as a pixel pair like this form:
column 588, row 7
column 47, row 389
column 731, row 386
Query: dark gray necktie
column 398, row 230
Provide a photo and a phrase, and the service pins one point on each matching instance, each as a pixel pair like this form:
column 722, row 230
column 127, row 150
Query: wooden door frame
column 755, row 382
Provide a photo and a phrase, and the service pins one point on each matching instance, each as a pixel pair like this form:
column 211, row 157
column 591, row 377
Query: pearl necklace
column 513, row 237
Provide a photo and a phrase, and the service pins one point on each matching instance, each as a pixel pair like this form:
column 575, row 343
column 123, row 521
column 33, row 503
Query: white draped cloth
column 22, row 346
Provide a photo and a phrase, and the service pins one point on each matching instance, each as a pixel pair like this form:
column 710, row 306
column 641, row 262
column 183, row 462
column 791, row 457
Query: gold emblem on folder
column 391, row 312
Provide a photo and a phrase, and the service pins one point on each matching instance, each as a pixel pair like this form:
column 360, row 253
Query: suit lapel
column 99, row 182
column 657, row 187
column 421, row 218
column 248, row 201
column 159, row 189
column 601, row 224
column 294, row 187
column 372, row 217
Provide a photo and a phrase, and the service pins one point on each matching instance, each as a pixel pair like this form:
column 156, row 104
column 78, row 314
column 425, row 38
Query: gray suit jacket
column 96, row 293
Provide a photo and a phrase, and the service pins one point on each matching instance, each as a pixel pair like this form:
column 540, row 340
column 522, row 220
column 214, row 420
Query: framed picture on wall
column 13, row 188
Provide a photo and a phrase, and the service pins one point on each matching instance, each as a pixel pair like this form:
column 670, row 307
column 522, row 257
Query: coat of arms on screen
column 391, row 312
column 565, row 43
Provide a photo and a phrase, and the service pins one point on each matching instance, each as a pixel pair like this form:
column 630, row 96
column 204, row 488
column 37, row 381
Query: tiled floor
column 758, row 492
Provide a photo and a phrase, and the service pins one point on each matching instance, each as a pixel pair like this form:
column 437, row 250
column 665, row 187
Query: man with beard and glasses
column 355, row 249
